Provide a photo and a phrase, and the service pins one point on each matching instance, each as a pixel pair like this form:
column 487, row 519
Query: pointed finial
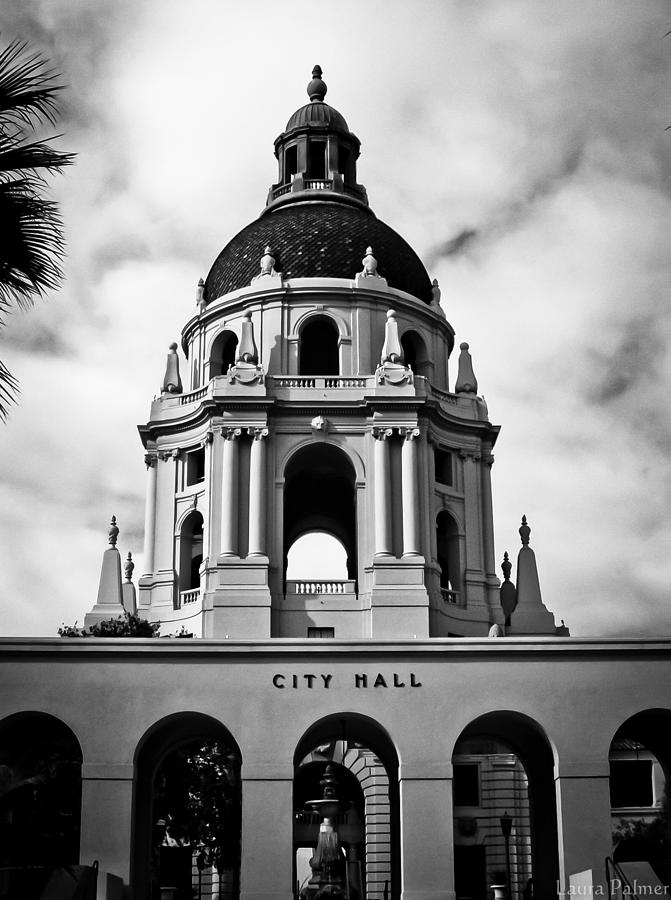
column 128, row 567
column 172, row 383
column 466, row 380
column 317, row 87
column 247, row 351
column 525, row 531
column 200, row 295
column 506, row 567
column 369, row 263
column 113, row 532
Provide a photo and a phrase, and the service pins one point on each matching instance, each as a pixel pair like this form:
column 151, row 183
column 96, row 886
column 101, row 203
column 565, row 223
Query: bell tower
column 320, row 399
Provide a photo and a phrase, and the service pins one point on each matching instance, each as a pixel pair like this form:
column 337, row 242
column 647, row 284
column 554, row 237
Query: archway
column 448, row 554
column 365, row 764
column 40, row 800
column 415, row 354
column 187, row 823
column 503, row 763
column 222, row 353
column 319, row 496
column 190, row 552
column 640, row 763
column 317, row 555
column 318, row 349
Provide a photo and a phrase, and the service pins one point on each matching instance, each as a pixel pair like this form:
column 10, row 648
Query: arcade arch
column 363, row 759
column 190, row 551
column 503, row 763
column 40, row 800
column 415, row 354
column 318, row 349
column 448, row 553
column 187, row 809
column 222, row 353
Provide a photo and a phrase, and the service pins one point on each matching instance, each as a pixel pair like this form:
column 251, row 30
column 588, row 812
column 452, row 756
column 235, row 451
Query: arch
column 222, row 352
column 509, row 734
column 353, row 457
column 319, row 347
column 358, row 748
column 319, row 495
column 207, row 744
column 190, row 550
column 640, row 767
column 40, row 797
column 317, row 555
column 416, row 354
column 448, row 552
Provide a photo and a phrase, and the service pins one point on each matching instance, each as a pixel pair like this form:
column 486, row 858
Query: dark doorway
column 319, row 352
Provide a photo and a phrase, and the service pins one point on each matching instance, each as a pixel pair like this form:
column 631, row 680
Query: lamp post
column 506, row 828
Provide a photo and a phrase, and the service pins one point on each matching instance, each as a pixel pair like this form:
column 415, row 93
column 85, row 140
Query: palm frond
column 27, row 90
column 9, row 388
column 21, row 158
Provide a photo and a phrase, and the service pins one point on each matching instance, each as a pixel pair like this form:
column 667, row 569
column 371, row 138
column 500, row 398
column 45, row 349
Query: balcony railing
column 192, row 396
column 320, row 382
column 450, row 596
column 320, row 587
column 186, row 597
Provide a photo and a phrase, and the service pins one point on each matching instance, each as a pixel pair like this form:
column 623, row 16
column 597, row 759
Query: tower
column 320, row 399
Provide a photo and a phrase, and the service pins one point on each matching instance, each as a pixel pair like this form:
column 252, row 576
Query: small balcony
column 321, row 587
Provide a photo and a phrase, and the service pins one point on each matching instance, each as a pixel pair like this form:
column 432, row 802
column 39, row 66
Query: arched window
column 190, row 552
column 415, row 353
column 319, row 352
column 222, row 354
column 317, row 554
column 447, row 544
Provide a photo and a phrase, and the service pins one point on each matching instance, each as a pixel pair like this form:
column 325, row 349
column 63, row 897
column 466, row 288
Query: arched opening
column 318, row 349
column 415, row 353
column 447, row 548
column 222, row 354
column 363, row 763
column 640, row 762
column 317, row 555
column 190, row 551
column 40, row 801
column 319, row 496
column 187, row 827
column 503, row 764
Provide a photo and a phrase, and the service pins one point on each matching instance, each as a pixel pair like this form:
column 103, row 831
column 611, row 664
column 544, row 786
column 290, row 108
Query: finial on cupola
column 113, row 532
column 392, row 352
column 200, row 295
column 247, row 352
column 466, row 380
column 317, row 87
column 525, row 532
column 172, row 383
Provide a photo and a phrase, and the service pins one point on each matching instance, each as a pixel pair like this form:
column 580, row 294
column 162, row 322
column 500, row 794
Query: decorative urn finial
column 369, row 263
column 128, row 567
column 113, row 532
column 506, row 566
column 317, row 87
column 200, row 295
column 525, row 531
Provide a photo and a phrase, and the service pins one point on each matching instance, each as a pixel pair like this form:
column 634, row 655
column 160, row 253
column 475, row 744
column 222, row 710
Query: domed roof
column 318, row 239
column 317, row 114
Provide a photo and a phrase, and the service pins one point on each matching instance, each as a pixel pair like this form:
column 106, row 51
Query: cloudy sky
column 520, row 147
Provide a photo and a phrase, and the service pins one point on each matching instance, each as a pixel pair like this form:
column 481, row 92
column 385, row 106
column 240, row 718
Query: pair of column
column 230, row 492
column 409, row 492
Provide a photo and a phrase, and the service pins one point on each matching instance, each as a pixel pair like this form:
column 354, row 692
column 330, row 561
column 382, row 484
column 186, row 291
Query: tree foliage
column 128, row 625
column 32, row 245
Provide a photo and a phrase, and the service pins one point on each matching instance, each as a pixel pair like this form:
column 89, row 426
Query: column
column 382, row 486
column 257, row 493
column 213, row 473
column 267, row 832
column 409, row 493
column 229, row 499
column 107, row 810
column 151, row 461
column 472, row 509
column 427, row 842
column 583, row 820
column 488, row 513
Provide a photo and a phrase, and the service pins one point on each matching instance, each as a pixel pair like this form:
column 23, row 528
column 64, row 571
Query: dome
column 318, row 239
column 317, row 115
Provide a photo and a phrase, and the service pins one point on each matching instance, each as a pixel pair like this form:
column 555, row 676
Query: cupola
column 317, row 154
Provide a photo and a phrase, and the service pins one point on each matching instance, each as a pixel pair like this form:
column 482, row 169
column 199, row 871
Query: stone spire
column 172, row 383
column 531, row 616
column 247, row 350
column 391, row 349
column 466, row 380
column 109, row 604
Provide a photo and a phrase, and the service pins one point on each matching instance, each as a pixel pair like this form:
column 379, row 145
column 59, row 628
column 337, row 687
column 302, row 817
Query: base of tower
column 399, row 602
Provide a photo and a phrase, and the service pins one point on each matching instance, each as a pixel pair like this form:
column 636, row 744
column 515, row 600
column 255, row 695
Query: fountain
column 329, row 879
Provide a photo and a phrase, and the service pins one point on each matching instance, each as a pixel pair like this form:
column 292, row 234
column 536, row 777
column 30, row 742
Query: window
column 443, row 463
column 466, row 784
column 195, row 466
column 290, row 163
column 319, row 353
column 317, row 159
column 321, row 632
column 631, row 783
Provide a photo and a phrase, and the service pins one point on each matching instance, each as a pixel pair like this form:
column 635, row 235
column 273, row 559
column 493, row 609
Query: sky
column 518, row 145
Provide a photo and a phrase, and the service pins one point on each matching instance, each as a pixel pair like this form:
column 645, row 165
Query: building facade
column 321, row 398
